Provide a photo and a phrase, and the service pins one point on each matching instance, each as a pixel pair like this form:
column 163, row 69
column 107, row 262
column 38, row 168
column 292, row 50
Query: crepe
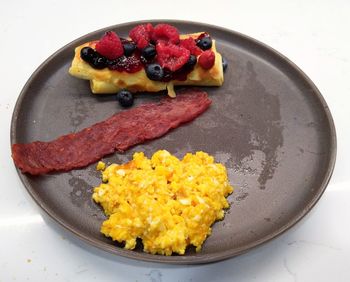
column 111, row 81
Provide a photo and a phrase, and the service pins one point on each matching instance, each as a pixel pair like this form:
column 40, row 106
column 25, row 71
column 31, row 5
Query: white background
column 313, row 34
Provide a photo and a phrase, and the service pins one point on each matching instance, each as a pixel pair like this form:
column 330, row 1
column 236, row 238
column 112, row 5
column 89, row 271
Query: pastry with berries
column 151, row 59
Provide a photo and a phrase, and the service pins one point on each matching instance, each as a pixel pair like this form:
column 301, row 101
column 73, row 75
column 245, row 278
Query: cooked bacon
column 117, row 133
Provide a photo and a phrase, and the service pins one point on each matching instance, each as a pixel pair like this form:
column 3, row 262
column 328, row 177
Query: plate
column 268, row 124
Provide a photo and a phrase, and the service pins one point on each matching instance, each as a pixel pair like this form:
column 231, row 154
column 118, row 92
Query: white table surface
column 313, row 34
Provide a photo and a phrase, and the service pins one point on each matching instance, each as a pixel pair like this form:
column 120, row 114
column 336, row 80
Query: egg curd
column 166, row 202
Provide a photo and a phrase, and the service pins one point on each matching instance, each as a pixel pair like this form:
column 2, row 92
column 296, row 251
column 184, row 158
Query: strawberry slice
column 110, row 46
column 171, row 56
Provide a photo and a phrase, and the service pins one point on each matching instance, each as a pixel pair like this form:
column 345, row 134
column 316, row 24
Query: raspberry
column 165, row 32
column 110, row 46
column 190, row 45
column 141, row 35
column 171, row 56
column 207, row 59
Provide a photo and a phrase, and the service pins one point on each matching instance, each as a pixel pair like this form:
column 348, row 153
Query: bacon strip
column 117, row 133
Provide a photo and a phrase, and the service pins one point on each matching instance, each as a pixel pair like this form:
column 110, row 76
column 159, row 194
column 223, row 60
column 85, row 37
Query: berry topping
column 204, row 41
column 158, row 50
column 154, row 72
column 171, row 56
column 149, row 52
column 203, row 34
column 190, row 44
column 168, row 75
column 99, row 62
column 95, row 60
column 224, row 63
column 125, row 98
column 87, row 54
column 129, row 48
column 141, row 35
column 192, row 61
column 129, row 64
column 110, row 46
column 207, row 59
column 166, row 32
column 181, row 74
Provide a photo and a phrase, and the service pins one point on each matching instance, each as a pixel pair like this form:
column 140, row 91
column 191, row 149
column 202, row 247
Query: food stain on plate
column 80, row 112
column 258, row 131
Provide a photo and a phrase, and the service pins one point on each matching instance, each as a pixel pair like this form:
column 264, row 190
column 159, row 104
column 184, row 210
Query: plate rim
column 201, row 259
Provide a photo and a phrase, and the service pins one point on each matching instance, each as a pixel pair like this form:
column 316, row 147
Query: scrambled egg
column 166, row 202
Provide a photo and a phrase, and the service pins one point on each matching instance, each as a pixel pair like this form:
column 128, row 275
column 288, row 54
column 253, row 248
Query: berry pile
column 158, row 49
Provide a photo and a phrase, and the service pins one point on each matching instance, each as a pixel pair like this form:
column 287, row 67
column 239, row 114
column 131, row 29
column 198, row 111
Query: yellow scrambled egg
column 166, row 202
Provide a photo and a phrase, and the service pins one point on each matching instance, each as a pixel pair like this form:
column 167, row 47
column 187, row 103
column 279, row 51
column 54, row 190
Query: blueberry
column 205, row 43
column 149, row 52
column 224, row 63
column 87, row 54
column 191, row 61
column 168, row 75
column 125, row 98
column 129, row 48
column 112, row 63
column 154, row 72
column 99, row 62
column 145, row 61
column 95, row 60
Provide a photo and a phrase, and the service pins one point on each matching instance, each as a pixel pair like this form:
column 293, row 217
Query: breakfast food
column 167, row 203
column 153, row 58
column 117, row 133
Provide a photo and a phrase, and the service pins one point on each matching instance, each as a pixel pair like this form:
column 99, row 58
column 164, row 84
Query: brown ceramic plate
column 268, row 124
